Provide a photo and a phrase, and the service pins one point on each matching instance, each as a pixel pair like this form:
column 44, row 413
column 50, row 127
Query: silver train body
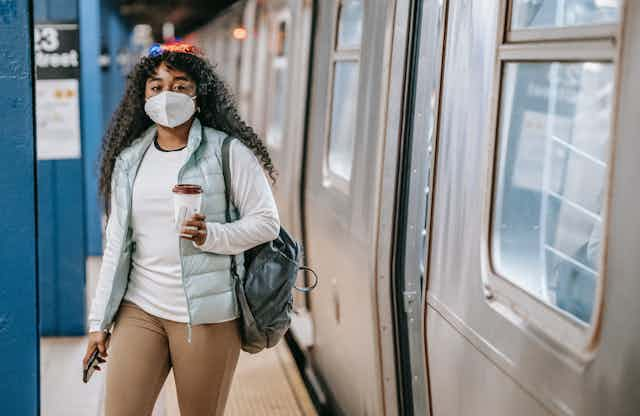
column 464, row 176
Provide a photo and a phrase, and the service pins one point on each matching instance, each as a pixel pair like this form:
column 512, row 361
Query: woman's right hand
column 96, row 339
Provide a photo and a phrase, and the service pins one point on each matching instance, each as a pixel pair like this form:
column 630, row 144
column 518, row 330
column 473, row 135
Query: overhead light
column 142, row 35
column 104, row 60
column 240, row 33
column 168, row 31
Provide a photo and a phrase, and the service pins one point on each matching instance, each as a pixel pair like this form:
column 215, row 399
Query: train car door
column 289, row 33
column 279, row 88
column 341, row 196
column 535, row 208
column 415, row 201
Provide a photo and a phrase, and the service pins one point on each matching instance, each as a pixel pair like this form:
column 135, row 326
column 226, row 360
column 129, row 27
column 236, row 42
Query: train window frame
column 332, row 179
column 557, row 33
column 562, row 332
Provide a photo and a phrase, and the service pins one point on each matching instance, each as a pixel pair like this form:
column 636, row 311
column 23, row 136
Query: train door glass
column 278, row 82
column 551, row 176
column 549, row 13
column 544, row 218
column 344, row 93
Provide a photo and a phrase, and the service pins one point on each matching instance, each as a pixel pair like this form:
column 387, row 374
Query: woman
column 167, row 290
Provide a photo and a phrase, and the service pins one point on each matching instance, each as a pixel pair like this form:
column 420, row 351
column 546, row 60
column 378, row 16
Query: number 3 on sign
column 46, row 39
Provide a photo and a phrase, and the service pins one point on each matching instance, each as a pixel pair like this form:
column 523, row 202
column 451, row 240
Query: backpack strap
column 226, row 173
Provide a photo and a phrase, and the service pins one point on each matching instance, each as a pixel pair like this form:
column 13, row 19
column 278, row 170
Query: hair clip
column 173, row 46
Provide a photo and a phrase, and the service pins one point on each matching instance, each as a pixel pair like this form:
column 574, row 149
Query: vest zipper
column 130, row 181
column 181, row 261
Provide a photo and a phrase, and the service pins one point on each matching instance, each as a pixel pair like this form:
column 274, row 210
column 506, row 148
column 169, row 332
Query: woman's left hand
column 195, row 229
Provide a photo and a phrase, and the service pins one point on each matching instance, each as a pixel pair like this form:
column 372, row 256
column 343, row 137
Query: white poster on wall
column 57, row 91
column 57, row 119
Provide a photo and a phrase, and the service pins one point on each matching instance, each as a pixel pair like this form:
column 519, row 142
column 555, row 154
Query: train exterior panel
column 462, row 175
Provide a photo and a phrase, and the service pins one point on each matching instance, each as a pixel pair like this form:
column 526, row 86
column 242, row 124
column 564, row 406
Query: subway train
column 462, row 175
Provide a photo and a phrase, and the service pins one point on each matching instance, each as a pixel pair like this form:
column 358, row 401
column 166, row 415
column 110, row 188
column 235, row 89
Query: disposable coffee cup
column 187, row 200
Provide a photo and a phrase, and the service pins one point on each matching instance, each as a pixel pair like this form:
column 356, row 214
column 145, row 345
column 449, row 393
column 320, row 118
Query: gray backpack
column 264, row 292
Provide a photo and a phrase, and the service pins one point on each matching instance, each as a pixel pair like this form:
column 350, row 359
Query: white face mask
column 170, row 108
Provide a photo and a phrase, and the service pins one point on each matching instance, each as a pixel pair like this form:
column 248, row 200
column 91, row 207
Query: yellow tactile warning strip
column 268, row 383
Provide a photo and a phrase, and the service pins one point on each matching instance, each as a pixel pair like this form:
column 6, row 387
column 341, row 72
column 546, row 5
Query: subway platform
column 462, row 177
column 267, row 383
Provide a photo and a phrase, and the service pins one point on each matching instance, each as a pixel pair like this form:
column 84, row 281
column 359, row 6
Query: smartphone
column 94, row 360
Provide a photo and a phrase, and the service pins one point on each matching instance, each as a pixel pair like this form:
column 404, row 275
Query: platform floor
column 266, row 384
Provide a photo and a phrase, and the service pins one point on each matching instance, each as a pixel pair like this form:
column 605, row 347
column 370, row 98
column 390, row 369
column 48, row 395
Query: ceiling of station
column 186, row 15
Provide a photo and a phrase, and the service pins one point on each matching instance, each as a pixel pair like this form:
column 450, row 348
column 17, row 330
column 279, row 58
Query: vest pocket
column 210, row 283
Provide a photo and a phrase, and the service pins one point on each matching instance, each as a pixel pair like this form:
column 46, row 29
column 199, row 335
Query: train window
column 349, row 24
column 343, row 108
column 559, row 13
column 275, row 130
column 551, row 178
column 278, row 83
column 345, row 64
column 548, row 176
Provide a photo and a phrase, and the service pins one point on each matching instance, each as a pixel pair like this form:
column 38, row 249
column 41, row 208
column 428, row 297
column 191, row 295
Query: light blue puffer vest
column 206, row 276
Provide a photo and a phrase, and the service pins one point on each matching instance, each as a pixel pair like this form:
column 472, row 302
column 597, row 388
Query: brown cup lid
column 186, row 188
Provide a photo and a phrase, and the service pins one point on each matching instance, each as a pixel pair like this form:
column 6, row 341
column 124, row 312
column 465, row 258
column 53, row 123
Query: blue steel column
column 61, row 216
column 91, row 123
column 116, row 36
column 19, row 346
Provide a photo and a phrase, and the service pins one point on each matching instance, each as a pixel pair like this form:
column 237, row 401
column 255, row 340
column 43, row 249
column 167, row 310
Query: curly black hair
column 217, row 106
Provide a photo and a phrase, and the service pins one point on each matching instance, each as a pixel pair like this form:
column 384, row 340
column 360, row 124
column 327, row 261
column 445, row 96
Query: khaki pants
column 142, row 350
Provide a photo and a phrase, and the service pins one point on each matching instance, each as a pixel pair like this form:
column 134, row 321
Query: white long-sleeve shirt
column 155, row 282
